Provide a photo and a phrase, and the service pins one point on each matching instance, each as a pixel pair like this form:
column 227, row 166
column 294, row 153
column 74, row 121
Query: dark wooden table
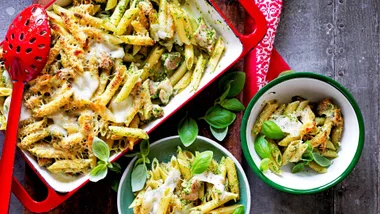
column 337, row 38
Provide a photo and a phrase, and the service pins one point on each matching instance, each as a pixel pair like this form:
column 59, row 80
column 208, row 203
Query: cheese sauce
column 120, row 110
column 288, row 124
column 211, row 178
column 97, row 48
column 84, row 86
column 155, row 196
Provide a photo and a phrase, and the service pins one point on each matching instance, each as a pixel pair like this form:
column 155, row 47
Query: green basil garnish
column 187, row 131
column 237, row 81
column 233, row 105
column 138, row 177
column 271, row 130
column 201, row 162
column 100, row 149
column 219, row 134
column 144, row 147
column 264, row 165
column 262, row 147
column 320, row 160
column 299, row 167
column 98, row 173
column 219, row 117
column 239, row 210
column 102, row 152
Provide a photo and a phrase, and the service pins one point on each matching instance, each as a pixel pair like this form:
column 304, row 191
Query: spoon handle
column 8, row 155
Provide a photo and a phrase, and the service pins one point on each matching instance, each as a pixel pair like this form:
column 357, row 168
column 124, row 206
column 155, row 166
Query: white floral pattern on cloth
column 271, row 10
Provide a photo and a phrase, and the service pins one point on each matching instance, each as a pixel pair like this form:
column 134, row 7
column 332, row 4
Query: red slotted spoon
column 25, row 49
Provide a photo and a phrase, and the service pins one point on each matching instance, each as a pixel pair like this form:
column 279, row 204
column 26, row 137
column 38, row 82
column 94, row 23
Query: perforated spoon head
column 27, row 44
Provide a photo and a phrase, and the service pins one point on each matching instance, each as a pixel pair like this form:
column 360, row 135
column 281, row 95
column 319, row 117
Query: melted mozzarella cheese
column 120, row 110
column 84, row 86
column 60, row 123
column 154, row 196
column 24, row 114
column 288, row 124
column 57, row 130
column 97, row 48
column 211, row 178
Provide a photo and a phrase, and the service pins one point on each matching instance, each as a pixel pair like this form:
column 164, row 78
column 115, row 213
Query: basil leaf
column 264, row 165
column 285, row 73
column 233, row 105
column 219, row 134
column 115, row 185
column 320, row 160
column 307, row 157
column 309, row 147
column 262, row 147
column 239, row 210
column 271, row 130
column 139, row 175
column 131, row 155
column 201, row 162
column 141, row 160
column 224, row 95
column 101, row 162
column 299, row 167
column 219, row 117
column 98, row 173
column 115, row 167
column 187, row 131
column 146, row 159
column 100, row 149
column 237, row 83
column 144, row 147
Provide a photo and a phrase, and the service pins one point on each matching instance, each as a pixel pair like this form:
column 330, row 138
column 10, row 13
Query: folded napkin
column 263, row 63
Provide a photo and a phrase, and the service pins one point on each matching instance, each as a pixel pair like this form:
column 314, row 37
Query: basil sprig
column 140, row 172
column 219, row 116
column 201, row 162
column 102, row 152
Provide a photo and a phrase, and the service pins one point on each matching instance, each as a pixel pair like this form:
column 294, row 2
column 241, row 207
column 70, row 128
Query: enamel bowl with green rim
column 163, row 151
column 314, row 87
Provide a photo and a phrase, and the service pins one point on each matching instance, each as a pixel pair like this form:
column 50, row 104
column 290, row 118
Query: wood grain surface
column 337, row 38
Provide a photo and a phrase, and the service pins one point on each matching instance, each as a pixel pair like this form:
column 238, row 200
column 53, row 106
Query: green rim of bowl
column 281, row 79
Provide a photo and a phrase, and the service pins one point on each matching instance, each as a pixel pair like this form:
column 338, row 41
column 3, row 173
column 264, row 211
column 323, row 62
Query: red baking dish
column 237, row 46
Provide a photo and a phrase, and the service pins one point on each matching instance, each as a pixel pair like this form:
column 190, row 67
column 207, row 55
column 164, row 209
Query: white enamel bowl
column 314, row 87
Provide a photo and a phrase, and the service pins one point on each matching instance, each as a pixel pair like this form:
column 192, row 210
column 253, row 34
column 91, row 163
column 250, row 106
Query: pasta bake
column 173, row 188
column 112, row 66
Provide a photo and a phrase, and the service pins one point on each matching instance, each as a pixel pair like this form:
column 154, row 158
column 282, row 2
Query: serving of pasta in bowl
column 302, row 133
column 176, row 183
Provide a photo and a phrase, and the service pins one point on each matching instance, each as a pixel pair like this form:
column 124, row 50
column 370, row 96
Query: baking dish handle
column 260, row 26
column 259, row 29
column 52, row 200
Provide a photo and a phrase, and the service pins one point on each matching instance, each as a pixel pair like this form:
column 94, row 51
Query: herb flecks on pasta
column 112, row 67
column 300, row 132
column 173, row 188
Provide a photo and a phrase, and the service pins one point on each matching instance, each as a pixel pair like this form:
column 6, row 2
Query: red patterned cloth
column 258, row 65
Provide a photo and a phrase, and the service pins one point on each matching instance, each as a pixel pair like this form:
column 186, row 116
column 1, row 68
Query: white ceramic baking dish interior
column 315, row 88
column 234, row 50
